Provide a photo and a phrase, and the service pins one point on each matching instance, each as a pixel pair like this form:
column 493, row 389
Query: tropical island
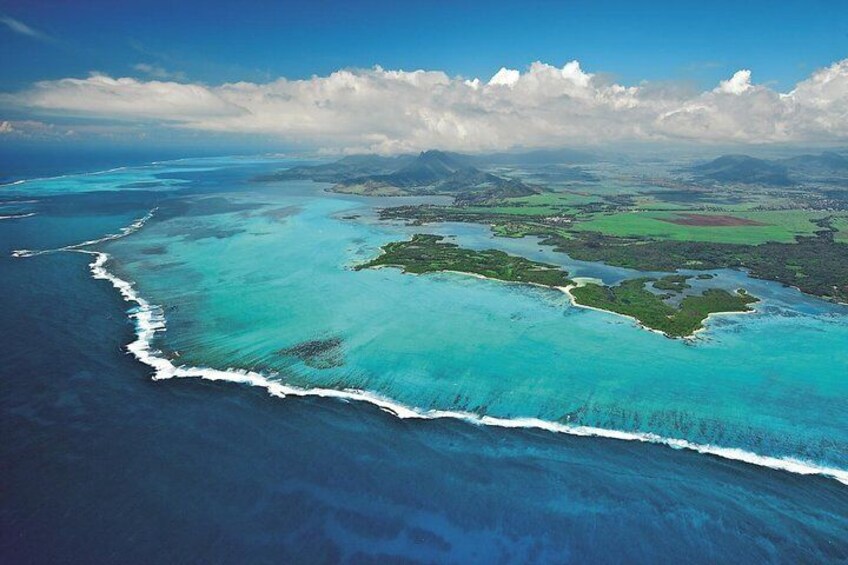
column 426, row 253
column 631, row 298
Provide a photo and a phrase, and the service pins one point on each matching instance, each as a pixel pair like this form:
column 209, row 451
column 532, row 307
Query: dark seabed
column 101, row 464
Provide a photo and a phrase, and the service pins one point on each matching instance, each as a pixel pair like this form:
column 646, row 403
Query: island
column 631, row 298
column 426, row 253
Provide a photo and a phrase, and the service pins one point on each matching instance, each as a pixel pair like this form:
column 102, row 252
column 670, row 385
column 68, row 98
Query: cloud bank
column 390, row 111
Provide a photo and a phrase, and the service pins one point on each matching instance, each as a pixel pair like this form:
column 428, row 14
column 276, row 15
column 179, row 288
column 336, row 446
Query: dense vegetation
column 675, row 283
column 429, row 253
column 632, row 299
column 816, row 265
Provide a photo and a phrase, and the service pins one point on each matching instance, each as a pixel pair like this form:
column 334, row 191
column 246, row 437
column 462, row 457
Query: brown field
column 703, row 220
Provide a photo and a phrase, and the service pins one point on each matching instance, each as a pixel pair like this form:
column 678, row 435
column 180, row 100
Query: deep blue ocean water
column 101, row 464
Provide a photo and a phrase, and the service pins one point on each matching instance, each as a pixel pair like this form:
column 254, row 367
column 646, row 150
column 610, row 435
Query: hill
column 825, row 167
column 828, row 165
column 744, row 169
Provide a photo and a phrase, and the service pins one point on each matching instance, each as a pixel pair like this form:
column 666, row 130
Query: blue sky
column 214, row 42
column 62, row 62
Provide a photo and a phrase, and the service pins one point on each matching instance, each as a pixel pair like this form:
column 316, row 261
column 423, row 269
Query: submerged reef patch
column 317, row 353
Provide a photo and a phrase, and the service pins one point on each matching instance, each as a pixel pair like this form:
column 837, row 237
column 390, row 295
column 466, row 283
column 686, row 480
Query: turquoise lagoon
column 244, row 272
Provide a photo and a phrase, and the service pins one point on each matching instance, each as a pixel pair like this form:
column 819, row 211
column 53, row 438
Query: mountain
column 430, row 167
column 439, row 172
column 430, row 172
column 744, row 169
column 344, row 169
column 827, row 164
column 473, row 186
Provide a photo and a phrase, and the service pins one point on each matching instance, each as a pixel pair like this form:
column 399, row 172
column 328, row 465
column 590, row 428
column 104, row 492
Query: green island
column 630, row 298
column 430, row 253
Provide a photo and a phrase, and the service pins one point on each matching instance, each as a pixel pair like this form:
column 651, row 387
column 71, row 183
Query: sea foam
column 17, row 216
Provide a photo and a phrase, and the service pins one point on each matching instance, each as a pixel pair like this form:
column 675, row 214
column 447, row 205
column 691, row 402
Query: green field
column 542, row 205
column 841, row 225
column 557, row 199
column 782, row 226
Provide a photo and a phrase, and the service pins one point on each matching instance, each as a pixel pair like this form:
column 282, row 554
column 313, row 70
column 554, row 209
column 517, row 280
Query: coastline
column 581, row 281
column 703, row 327
column 689, row 337
column 567, row 291
column 150, row 319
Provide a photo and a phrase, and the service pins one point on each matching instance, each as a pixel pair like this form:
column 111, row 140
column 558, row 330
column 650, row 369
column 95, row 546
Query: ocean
column 427, row 419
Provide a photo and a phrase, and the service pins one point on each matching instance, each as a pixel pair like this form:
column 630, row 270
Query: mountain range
column 825, row 167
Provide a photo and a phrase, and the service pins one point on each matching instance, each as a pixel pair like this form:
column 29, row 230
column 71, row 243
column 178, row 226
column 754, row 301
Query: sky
column 341, row 76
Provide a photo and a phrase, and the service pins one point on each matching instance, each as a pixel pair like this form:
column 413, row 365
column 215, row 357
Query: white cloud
column 21, row 28
column 392, row 111
column 6, row 127
column 737, row 84
column 505, row 77
column 102, row 96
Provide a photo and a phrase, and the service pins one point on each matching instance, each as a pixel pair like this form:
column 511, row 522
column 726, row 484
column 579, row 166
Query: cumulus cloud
column 391, row 111
column 505, row 77
column 6, row 127
column 737, row 84
column 21, row 28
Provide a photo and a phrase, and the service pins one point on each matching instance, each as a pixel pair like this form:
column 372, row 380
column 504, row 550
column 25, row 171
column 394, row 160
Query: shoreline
column 573, row 301
column 688, row 337
column 567, row 291
column 150, row 319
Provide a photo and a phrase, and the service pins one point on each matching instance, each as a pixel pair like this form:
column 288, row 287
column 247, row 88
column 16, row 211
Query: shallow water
column 246, row 272
column 102, row 464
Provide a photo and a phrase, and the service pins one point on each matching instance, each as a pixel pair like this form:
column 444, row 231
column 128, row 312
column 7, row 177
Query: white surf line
column 150, row 319
column 125, row 231
column 68, row 175
column 17, row 216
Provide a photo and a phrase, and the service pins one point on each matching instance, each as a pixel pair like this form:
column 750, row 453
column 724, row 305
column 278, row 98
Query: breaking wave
column 150, row 319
